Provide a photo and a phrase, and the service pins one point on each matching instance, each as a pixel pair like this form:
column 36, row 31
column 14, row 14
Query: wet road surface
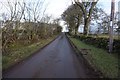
column 57, row 60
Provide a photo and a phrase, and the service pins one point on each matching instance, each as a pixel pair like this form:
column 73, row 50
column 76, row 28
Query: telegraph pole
column 111, row 26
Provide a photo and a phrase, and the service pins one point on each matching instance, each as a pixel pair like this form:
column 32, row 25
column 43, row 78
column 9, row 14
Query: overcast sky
column 56, row 7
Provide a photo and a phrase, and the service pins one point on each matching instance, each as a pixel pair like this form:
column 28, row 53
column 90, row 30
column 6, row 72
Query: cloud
column 56, row 7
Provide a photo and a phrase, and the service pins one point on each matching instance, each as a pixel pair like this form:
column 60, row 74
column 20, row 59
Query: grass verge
column 20, row 52
column 98, row 58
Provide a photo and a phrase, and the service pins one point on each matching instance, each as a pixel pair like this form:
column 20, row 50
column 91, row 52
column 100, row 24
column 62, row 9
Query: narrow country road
column 57, row 60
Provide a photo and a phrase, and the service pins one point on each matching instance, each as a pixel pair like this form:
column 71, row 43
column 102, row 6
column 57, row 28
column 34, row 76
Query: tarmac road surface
column 57, row 60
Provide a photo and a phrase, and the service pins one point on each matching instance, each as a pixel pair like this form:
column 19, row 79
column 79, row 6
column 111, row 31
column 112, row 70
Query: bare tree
column 23, row 23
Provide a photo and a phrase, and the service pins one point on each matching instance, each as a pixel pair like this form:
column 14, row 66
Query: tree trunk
column 86, row 25
column 75, row 31
column 76, row 28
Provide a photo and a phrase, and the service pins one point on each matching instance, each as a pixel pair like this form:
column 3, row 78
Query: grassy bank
column 19, row 52
column 99, row 58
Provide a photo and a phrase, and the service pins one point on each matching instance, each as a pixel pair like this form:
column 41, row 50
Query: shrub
column 101, row 42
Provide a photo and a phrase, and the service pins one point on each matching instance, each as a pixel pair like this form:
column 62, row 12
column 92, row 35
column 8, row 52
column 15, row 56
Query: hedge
column 100, row 42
